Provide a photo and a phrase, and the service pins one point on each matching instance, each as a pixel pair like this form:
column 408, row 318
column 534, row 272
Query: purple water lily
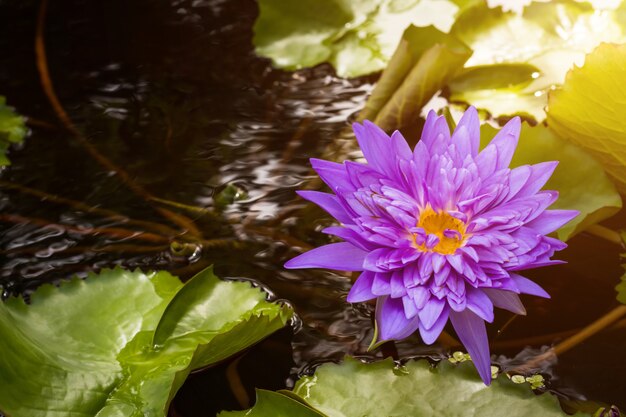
column 440, row 232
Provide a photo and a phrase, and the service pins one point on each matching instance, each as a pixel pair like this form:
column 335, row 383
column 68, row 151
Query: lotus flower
column 441, row 232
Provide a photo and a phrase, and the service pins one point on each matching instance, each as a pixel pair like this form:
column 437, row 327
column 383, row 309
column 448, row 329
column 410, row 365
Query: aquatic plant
column 353, row 388
column 440, row 232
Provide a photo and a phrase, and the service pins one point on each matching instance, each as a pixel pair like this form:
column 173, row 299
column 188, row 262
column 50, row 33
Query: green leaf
column 588, row 109
column 90, row 342
column 425, row 60
column 274, row 404
column 414, row 75
column 356, row 36
column 551, row 36
column 353, row 388
column 574, row 177
column 12, row 130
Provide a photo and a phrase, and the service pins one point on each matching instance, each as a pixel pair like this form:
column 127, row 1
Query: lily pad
column 275, row 404
column 357, row 37
column 588, row 109
column 121, row 342
column 580, row 180
column 12, row 130
column 425, row 60
column 551, row 36
column 353, row 389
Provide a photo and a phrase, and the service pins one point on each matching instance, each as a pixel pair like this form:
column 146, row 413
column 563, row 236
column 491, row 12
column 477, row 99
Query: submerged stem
column 110, row 214
column 579, row 337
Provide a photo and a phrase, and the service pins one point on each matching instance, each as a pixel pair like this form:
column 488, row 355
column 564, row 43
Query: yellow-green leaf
column 589, row 109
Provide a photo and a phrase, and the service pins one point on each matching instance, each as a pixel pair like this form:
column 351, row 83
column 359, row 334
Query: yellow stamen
column 435, row 223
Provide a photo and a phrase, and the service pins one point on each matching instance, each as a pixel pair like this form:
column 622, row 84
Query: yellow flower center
column 436, row 223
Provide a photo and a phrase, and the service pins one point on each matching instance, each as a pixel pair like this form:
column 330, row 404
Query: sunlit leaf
column 356, row 36
column 551, row 36
column 12, row 130
column 580, row 180
column 86, row 348
column 589, row 109
column 353, row 388
column 425, row 60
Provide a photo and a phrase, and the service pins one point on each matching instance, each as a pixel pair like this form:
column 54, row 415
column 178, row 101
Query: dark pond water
column 173, row 93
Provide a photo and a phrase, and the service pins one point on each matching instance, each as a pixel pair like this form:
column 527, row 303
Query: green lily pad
column 121, row 342
column 588, row 109
column 425, row 60
column 352, row 389
column 356, row 36
column 275, row 404
column 551, row 36
column 12, row 130
column 580, row 180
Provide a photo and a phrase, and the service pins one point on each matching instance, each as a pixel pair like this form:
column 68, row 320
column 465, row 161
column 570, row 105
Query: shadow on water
column 172, row 92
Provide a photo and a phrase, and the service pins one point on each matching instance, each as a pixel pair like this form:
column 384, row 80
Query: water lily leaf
column 425, row 60
column 12, row 130
column 588, row 109
column 356, row 37
column 275, row 404
column 580, row 180
column 353, row 388
column 551, row 36
column 90, row 342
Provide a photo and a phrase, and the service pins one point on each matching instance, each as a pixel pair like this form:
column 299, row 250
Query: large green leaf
column 86, row 348
column 355, row 389
column 551, row 36
column 12, row 130
column 425, row 60
column 356, row 36
column 579, row 179
column 588, row 109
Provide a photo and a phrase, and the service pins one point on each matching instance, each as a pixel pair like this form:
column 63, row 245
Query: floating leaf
column 588, row 109
column 275, row 404
column 425, row 60
column 551, row 36
column 579, row 179
column 12, row 130
column 356, row 36
column 122, row 343
column 353, row 388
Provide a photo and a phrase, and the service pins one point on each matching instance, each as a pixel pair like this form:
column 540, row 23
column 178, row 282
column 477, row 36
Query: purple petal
column 471, row 331
column 400, row 146
column 466, row 136
column 540, row 174
column 342, row 256
column 505, row 142
column 431, row 312
column 429, row 336
column 375, row 145
column 350, row 236
column 526, row 286
column 435, row 135
column 506, row 299
column 333, row 174
column 479, row 303
column 551, row 220
column 329, row 203
column 391, row 320
column 362, row 288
